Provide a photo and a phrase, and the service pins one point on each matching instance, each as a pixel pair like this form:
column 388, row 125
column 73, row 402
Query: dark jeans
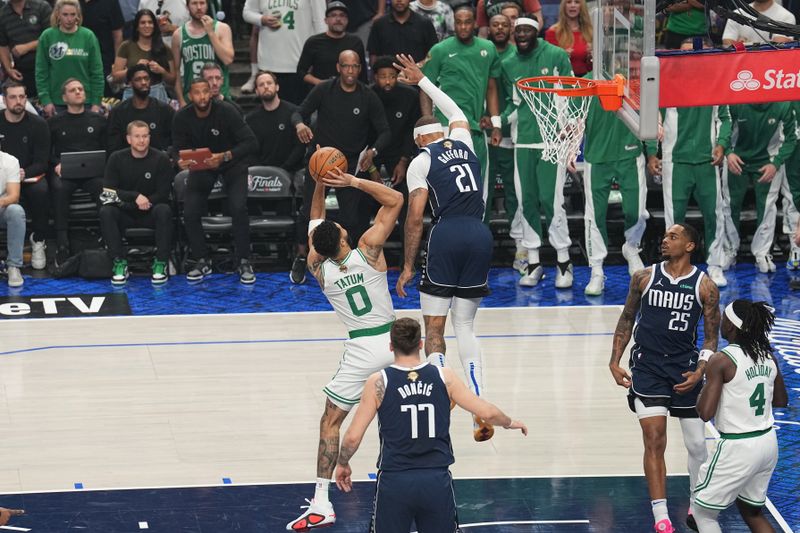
column 62, row 190
column 354, row 207
column 114, row 220
column 195, row 207
column 29, row 80
column 36, row 200
column 673, row 41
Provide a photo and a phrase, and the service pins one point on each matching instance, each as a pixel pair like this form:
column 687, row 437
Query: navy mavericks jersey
column 414, row 419
column 669, row 313
column 454, row 180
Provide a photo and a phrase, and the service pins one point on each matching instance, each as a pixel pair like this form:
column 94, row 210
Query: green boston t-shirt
column 195, row 52
column 463, row 71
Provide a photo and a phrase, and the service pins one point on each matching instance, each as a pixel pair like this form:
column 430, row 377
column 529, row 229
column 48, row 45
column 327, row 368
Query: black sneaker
column 62, row 254
column 200, row 270
column 298, row 272
column 246, row 274
column 691, row 522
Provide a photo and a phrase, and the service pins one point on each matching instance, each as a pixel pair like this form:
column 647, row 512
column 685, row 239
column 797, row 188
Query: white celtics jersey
column 746, row 402
column 358, row 293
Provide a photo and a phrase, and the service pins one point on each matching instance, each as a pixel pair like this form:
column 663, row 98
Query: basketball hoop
column 560, row 105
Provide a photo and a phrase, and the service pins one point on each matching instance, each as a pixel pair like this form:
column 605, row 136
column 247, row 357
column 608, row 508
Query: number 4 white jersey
column 358, row 293
column 746, row 402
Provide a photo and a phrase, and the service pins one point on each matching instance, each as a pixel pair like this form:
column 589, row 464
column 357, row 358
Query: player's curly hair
column 326, row 239
column 757, row 321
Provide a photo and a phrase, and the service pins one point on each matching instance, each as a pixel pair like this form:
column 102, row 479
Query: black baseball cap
column 336, row 4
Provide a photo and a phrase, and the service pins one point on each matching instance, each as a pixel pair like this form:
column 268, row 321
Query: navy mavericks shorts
column 458, row 258
column 654, row 374
column 423, row 496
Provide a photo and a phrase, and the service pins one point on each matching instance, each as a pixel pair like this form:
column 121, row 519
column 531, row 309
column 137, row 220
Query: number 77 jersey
column 669, row 312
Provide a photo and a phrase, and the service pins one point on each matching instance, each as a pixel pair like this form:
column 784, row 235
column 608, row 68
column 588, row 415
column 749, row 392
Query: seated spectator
column 573, row 32
column 145, row 48
column 321, row 52
column 137, row 186
column 28, row 139
column 76, row 130
column 170, row 14
column 104, row 18
column 766, row 8
column 685, row 19
column 486, row 9
column 216, row 125
column 212, row 73
column 272, row 124
column 401, row 31
column 67, row 50
column 12, row 217
column 21, row 24
column 401, row 104
column 141, row 106
column 439, row 13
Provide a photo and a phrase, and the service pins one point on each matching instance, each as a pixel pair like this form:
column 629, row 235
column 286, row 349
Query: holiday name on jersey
column 455, row 153
column 757, row 371
column 413, row 389
column 350, row 280
column 670, row 300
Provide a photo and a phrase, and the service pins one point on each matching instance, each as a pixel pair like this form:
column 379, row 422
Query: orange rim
column 610, row 92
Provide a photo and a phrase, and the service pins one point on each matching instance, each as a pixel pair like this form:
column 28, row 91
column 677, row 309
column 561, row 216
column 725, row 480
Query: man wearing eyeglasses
column 346, row 110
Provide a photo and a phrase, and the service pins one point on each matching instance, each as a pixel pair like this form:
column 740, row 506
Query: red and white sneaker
column 317, row 515
column 664, row 526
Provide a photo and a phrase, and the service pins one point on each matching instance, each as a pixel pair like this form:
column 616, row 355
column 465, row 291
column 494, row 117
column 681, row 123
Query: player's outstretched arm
column 417, row 199
column 372, row 241
column 718, row 366
column 411, row 73
column 316, row 215
column 622, row 335
column 468, row 401
column 371, row 399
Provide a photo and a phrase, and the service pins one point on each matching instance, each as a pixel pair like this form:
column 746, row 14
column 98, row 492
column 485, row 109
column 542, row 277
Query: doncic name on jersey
column 415, row 387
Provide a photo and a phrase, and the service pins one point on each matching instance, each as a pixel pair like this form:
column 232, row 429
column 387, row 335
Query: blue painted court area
column 541, row 505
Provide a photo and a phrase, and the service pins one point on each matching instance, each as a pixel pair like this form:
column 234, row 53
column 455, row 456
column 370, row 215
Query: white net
column 561, row 120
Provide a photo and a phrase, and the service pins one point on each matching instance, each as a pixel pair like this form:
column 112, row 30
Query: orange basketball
column 325, row 159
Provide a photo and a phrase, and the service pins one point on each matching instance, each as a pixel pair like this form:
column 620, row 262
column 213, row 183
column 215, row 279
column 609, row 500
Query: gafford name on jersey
column 449, row 155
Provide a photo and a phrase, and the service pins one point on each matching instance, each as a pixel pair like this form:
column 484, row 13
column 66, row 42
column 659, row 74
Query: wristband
column 705, row 355
column 372, row 169
column 496, row 122
column 509, row 424
column 312, row 224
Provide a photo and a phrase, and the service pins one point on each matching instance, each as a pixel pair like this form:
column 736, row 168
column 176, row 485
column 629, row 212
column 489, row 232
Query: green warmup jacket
column 691, row 133
column 546, row 60
column 761, row 134
column 463, row 71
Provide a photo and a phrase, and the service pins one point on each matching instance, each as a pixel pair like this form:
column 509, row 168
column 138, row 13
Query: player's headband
column 732, row 316
column 527, row 21
column 426, row 129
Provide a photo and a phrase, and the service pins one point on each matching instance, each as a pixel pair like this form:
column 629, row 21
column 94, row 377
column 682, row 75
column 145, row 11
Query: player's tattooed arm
column 622, row 335
column 413, row 233
column 709, row 293
column 380, row 391
column 373, row 254
column 346, row 453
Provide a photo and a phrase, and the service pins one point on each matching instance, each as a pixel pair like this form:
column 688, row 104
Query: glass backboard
column 624, row 43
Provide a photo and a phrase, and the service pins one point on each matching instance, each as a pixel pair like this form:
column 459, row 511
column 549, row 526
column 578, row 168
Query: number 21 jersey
column 454, row 180
column 669, row 313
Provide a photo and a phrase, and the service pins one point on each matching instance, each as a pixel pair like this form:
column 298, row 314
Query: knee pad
column 433, row 305
column 646, row 412
column 694, row 437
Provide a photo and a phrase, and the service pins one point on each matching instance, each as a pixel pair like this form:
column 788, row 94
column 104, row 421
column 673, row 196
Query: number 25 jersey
column 669, row 313
column 414, row 419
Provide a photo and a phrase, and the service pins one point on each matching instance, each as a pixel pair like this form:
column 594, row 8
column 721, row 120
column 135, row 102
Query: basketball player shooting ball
column 456, row 272
column 355, row 283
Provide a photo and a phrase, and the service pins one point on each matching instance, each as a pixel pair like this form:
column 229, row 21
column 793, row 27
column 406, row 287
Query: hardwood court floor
column 190, row 400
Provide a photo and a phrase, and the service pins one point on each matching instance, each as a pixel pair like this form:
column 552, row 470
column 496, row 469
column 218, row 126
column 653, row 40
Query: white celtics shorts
column 740, row 468
column 362, row 357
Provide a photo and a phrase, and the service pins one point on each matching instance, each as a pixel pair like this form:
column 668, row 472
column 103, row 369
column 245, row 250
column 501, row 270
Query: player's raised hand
column 409, row 71
column 338, row 179
column 343, row 480
column 622, row 378
column 691, row 381
column 405, row 278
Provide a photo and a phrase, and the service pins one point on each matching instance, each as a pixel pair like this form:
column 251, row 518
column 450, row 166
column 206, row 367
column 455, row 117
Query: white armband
column 705, row 355
column 496, row 122
column 312, row 224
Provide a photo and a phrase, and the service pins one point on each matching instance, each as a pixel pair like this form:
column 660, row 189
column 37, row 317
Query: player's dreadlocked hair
column 757, row 321
column 326, row 239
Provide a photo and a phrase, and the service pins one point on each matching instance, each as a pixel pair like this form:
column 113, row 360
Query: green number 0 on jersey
column 366, row 304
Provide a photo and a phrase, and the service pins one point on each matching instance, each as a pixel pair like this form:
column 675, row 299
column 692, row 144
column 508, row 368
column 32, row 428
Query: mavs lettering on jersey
column 454, row 180
column 414, row 419
column 669, row 313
